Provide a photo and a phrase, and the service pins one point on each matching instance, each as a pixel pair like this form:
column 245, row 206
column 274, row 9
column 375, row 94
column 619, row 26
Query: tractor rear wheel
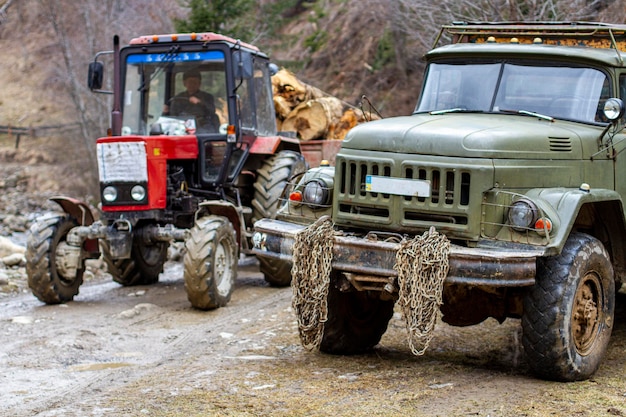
column 568, row 314
column 272, row 178
column 49, row 278
column 145, row 263
column 210, row 262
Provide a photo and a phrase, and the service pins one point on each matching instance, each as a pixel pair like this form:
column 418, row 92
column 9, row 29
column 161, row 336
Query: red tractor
column 193, row 155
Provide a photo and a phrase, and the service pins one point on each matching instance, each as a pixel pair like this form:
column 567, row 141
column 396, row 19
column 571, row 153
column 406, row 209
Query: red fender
column 80, row 212
column 76, row 209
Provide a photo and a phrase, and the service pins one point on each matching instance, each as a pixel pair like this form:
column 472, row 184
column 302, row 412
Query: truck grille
column 448, row 203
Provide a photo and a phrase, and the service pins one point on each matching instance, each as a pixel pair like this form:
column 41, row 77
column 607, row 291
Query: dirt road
column 143, row 351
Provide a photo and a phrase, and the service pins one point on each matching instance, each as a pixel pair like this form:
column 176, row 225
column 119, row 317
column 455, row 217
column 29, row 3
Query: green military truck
column 500, row 196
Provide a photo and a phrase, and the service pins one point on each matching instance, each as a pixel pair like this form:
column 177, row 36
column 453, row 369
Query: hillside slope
column 348, row 48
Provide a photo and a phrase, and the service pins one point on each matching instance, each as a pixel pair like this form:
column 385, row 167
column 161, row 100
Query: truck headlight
column 109, row 194
column 522, row 214
column 613, row 108
column 316, row 194
column 138, row 192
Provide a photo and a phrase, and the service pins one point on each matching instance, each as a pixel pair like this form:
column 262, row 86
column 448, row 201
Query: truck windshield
column 573, row 93
column 182, row 93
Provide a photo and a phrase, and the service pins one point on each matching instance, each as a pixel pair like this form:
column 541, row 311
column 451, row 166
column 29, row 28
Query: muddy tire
column 356, row 321
column 276, row 273
column 144, row 266
column 210, row 263
column 272, row 178
column 47, row 278
column 568, row 314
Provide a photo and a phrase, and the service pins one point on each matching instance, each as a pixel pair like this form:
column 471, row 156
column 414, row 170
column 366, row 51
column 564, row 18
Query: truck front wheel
column 568, row 314
column 210, row 262
column 49, row 277
column 356, row 321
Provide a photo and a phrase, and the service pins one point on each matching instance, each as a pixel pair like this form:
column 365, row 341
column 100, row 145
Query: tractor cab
column 208, row 86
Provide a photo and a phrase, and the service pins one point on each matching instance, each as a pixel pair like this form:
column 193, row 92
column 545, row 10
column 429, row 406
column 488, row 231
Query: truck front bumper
column 496, row 264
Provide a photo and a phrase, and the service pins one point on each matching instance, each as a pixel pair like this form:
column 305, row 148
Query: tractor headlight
column 109, row 194
column 522, row 214
column 316, row 194
column 138, row 193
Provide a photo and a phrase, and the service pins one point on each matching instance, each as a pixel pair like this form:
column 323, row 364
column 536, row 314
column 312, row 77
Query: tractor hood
column 475, row 135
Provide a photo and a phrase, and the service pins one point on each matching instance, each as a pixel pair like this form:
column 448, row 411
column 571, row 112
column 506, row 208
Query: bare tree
column 77, row 36
column 420, row 20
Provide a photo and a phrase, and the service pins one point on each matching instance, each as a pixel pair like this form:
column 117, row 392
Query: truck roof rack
column 586, row 34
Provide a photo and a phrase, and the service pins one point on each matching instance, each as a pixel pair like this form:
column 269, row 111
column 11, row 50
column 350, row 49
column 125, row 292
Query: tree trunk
column 314, row 118
column 290, row 92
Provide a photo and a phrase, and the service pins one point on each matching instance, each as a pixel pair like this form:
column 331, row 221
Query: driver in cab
column 196, row 103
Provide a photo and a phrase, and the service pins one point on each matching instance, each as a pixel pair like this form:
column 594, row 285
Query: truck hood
column 475, row 135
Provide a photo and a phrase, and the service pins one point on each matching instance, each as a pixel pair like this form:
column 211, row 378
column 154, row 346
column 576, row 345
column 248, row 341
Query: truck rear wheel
column 210, row 262
column 356, row 321
column 272, row 178
column 144, row 266
column 568, row 314
column 48, row 279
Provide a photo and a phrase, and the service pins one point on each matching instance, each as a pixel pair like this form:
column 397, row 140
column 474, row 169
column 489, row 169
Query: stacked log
column 310, row 112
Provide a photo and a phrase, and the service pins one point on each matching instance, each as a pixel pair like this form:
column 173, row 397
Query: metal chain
column 310, row 279
column 422, row 265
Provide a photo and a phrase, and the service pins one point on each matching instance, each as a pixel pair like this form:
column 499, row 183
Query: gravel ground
column 143, row 351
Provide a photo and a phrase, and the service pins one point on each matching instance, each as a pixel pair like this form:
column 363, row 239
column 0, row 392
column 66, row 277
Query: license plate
column 397, row 186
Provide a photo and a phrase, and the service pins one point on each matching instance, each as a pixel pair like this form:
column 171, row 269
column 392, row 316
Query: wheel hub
column 222, row 269
column 586, row 315
column 67, row 260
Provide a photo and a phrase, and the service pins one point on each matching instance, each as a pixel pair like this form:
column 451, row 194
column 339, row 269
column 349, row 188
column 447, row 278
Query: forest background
column 348, row 48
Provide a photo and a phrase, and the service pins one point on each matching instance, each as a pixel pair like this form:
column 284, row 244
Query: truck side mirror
column 95, row 75
column 242, row 64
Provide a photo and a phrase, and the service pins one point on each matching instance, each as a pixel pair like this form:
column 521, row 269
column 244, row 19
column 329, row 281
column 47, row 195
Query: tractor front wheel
column 50, row 278
column 210, row 262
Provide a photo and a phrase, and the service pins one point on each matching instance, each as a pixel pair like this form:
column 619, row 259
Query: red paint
column 159, row 149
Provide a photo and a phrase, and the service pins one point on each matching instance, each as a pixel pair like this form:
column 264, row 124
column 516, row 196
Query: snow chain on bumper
column 422, row 265
column 310, row 279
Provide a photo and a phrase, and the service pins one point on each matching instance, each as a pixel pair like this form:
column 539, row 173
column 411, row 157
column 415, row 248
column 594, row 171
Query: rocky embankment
column 28, row 179
column 18, row 209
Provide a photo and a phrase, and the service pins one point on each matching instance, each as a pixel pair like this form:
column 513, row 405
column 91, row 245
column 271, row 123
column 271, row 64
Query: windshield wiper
column 529, row 113
column 169, row 58
column 454, row 110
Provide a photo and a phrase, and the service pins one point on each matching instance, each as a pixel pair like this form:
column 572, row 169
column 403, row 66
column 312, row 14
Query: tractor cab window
column 255, row 98
column 175, row 94
column 265, row 115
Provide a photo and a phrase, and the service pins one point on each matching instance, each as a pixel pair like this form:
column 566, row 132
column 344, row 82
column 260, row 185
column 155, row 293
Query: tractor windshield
column 175, row 94
column 556, row 91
